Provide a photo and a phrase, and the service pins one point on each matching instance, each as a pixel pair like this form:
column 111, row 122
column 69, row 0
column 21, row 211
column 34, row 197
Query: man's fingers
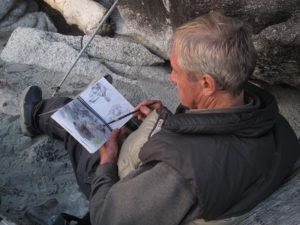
column 115, row 133
column 109, row 151
column 146, row 107
column 154, row 104
column 114, row 136
column 145, row 110
column 145, row 102
column 124, row 132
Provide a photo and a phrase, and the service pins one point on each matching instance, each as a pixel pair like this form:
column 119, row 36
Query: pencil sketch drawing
column 116, row 111
column 88, row 117
column 85, row 123
column 97, row 91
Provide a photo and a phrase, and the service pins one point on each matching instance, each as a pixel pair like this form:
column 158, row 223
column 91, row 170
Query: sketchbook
column 88, row 117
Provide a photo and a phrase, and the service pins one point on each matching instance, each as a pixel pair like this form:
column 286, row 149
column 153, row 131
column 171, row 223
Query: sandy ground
column 32, row 170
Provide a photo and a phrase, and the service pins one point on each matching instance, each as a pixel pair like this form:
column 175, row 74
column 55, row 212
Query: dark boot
column 35, row 113
column 31, row 97
column 46, row 214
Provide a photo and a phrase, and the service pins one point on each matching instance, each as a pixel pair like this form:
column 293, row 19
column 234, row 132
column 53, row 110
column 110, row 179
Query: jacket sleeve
column 156, row 195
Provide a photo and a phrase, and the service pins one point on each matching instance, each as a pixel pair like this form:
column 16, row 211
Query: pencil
column 128, row 114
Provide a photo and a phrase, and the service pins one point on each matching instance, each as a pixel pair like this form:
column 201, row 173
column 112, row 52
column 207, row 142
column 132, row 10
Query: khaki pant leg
column 129, row 154
column 228, row 221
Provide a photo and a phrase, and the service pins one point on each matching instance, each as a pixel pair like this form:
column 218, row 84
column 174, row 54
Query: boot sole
column 24, row 129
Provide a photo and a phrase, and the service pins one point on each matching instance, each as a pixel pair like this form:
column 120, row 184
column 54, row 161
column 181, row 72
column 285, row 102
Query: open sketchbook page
column 107, row 102
column 83, row 125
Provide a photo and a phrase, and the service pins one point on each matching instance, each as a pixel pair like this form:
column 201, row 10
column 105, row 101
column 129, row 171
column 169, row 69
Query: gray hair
column 219, row 46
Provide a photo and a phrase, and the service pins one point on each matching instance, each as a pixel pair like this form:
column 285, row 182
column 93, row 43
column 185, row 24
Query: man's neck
column 221, row 100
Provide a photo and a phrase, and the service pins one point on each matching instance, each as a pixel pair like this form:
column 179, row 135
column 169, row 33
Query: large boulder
column 85, row 14
column 278, row 48
column 34, row 47
column 57, row 52
column 121, row 51
column 275, row 25
column 148, row 22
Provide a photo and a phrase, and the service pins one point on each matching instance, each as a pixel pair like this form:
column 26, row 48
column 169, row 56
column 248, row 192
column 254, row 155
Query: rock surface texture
column 86, row 14
column 282, row 207
column 276, row 27
column 22, row 13
column 35, row 170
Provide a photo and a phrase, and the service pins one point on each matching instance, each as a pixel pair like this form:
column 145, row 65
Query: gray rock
column 155, row 73
column 8, row 102
column 278, row 48
column 16, row 68
column 153, row 80
column 282, row 207
column 55, row 52
column 289, row 104
column 74, row 41
column 43, row 22
column 21, row 14
column 142, row 28
column 130, row 89
column 48, row 172
column 34, row 47
column 5, row 221
column 6, row 6
column 118, row 50
column 22, row 185
column 18, row 11
column 286, row 33
column 37, row 20
column 166, row 92
column 275, row 22
column 121, row 51
column 152, row 22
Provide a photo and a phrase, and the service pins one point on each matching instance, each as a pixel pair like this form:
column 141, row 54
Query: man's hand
column 109, row 152
column 146, row 107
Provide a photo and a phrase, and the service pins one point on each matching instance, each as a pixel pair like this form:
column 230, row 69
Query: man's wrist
column 110, row 169
column 108, row 161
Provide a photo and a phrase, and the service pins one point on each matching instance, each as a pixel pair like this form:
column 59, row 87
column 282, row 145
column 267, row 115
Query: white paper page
column 107, row 102
column 83, row 125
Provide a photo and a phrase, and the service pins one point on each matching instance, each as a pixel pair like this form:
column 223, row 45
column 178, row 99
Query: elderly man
column 224, row 150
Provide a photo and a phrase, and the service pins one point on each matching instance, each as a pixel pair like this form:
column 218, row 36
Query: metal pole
column 85, row 46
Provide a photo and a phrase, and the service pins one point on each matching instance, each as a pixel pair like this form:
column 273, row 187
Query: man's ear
column 209, row 85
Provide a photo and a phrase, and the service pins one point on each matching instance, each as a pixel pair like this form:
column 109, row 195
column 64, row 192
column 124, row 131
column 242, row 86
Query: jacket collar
column 253, row 119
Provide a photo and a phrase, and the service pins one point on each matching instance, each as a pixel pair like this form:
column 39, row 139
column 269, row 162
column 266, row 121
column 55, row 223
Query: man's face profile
column 188, row 91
